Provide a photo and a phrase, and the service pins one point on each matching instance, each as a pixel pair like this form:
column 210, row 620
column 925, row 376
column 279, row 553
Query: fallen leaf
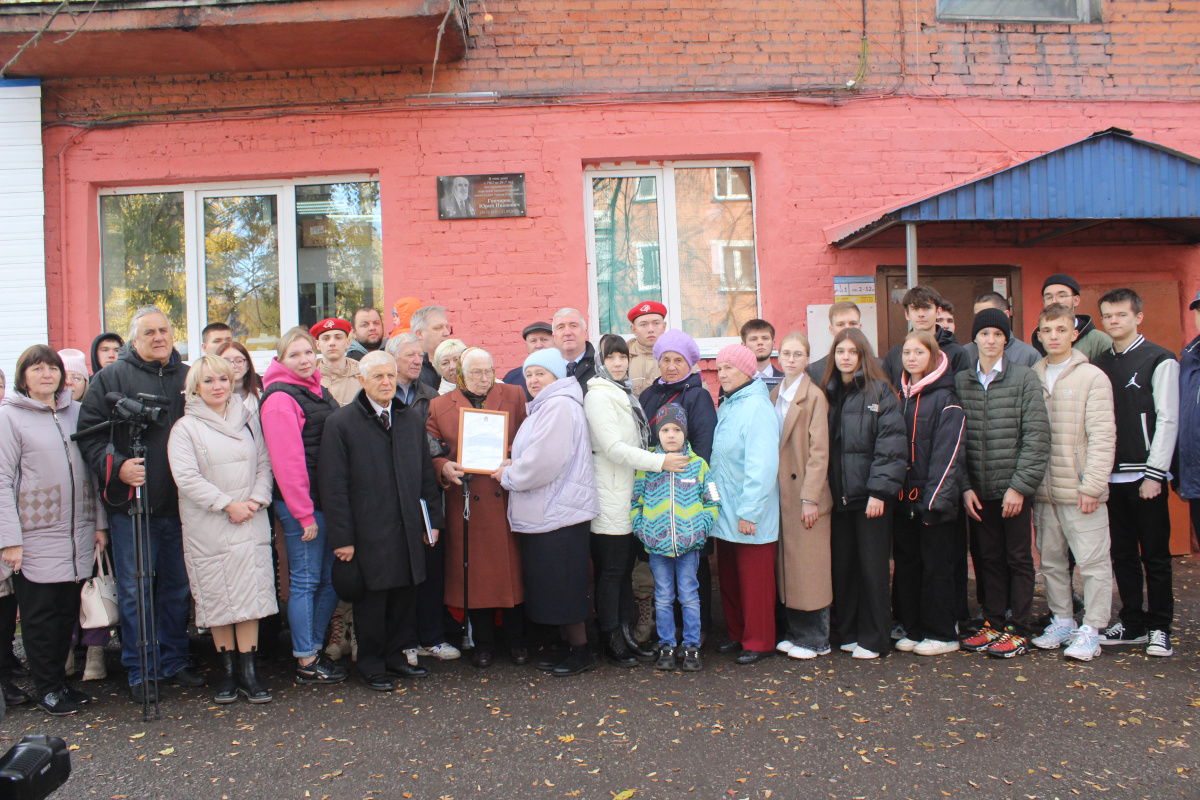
column 1022, row 678
column 138, row 735
column 166, row 752
column 73, row 747
column 570, row 737
column 625, row 795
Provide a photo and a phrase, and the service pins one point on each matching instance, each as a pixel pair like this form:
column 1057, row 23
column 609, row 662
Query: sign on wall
column 854, row 288
column 481, row 196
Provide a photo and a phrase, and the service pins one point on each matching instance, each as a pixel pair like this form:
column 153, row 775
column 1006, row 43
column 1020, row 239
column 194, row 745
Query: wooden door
column 959, row 285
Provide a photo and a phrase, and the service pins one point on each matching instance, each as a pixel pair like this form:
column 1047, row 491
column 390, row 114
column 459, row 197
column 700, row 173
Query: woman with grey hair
column 445, row 359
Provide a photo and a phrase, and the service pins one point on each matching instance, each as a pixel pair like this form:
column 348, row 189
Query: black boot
column 580, row 660
column 616, row 652
column 639, row 652
column 247, row 681
column 226, row 681
column 553, row 656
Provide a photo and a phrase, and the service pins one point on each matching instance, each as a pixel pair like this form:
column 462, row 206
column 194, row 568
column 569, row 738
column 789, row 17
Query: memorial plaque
column 481, row 196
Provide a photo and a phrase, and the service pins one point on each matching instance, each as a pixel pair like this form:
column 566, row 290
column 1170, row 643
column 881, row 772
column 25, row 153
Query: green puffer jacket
column 1008, row 431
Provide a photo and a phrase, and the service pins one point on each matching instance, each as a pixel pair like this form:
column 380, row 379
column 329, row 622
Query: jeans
column 677, row 575
column 171, row 593
column 311, row 599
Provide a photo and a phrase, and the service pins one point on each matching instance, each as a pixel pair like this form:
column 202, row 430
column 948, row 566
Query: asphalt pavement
column 962, row 725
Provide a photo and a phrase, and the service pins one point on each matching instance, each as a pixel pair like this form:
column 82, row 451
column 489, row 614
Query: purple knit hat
column 739, row 357
column 676, row 341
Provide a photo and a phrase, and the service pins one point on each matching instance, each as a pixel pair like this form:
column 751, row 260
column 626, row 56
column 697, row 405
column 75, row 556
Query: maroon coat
column 495, row 569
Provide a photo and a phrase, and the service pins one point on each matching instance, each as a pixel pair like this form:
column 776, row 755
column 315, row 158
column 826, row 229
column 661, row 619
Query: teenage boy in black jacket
column 920, row 309
column 1145, row 379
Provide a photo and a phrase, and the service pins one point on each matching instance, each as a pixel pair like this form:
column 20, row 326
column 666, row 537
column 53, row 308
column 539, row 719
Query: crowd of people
column 840, row 496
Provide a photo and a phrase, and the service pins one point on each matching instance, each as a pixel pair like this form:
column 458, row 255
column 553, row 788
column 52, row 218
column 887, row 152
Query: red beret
column 331, row 324
column 648, row 307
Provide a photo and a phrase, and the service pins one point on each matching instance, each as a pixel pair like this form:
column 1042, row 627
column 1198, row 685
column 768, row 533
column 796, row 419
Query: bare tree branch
column 33, row 39
column 78, row 25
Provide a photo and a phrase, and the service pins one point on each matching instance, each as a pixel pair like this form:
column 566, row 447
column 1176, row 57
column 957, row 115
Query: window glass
column 1020, row 10
column 625, row 213
column 339, row 249
column 142, row 260
column 717, row 282
column 241, row 267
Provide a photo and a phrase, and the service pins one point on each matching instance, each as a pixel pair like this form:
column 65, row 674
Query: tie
column 386, row 416
column 572, row 367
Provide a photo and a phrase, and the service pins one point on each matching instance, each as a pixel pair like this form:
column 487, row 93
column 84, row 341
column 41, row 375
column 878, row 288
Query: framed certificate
column 482, row 439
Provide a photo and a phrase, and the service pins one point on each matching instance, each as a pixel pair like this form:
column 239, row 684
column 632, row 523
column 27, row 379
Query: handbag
column 98, row 602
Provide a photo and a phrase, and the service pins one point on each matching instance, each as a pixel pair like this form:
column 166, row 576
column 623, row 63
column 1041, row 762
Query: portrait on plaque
column 481, row 196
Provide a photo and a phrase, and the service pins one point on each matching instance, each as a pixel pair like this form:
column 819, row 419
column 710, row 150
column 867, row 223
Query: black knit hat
column 992, row 318
column 1061, row 279
column 671, row 412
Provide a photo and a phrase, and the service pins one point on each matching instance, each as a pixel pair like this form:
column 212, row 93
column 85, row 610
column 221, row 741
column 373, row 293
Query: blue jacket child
column 674, row 512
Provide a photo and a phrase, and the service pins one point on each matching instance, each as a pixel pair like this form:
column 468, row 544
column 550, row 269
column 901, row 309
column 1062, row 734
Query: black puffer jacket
column 1008, row 431
column 130, row 375
column 697, row 402
column 935, row 423
column 893, row 362
column 868, row 448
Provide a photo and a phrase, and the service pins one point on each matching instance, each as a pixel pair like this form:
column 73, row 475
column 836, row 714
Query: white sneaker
column 849, row 647
column 906, row 645
column 94, row 669
column 411, row 654
column 863, row 653
column 935, row 647
column 442, row 652
column 1160, row 644
column 1058, row 632
column 1085, row 645
column 784, row 646
column 802, row 653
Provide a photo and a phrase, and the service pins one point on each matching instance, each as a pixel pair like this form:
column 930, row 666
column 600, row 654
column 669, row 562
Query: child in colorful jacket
column 673, row 514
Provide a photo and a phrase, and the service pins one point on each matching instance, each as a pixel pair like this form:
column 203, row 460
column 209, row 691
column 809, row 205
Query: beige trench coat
column 216, row 462
column 803, row 567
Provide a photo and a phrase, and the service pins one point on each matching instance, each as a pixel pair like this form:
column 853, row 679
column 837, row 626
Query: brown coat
column 803, row 565
column 495, row 566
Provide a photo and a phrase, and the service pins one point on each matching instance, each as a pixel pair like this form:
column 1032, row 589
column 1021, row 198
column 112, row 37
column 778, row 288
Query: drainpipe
column 910, row 237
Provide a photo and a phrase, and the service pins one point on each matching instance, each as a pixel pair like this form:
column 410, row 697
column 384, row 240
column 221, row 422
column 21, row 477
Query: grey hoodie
column 48, row 501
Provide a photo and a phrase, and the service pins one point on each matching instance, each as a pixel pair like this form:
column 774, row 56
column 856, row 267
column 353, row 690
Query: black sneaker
column 1119, row 634
column 186, row 677
column 666, row 658
column 75, row 696
column 13, row 695
column 57, row 704
column 691, row 659
column 319, row 671
column 136, row 690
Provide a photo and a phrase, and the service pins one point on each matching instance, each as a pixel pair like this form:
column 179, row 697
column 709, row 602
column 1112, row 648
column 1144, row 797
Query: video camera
column 34, row 768
column 131, row 410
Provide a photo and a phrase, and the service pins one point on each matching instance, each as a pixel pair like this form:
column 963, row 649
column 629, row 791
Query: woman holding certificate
column 493, row 580
column 552, row 501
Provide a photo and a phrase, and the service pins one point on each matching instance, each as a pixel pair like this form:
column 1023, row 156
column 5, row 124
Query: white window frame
column 722, row 192
column 640, row 249
column 718, row 259
column 193, row 250
column 668, row 254
column 1081, row 11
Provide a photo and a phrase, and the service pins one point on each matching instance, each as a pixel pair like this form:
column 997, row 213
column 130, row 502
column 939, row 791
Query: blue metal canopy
column 1108, row 177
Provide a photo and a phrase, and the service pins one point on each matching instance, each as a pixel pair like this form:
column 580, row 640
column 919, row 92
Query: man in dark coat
column 374, row 471
column 570, row 337
column 149, row 365
column 920, row 309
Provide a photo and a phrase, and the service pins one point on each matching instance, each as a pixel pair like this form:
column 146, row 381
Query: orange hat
column 404, row 308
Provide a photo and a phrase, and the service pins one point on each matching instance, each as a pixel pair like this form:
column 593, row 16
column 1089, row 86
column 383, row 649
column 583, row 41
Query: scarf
column 639, row 414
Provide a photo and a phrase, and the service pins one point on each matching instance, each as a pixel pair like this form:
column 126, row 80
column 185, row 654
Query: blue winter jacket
column 1189, row 421
column 673, row 512
column 745, row 465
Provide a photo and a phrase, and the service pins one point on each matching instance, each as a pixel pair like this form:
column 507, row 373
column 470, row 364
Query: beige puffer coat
column 216, row 462
column 1083, row 433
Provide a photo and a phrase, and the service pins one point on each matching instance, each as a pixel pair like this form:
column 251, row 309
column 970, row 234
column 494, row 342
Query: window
column 1020, row 10
column 677, row 232
column 259, row 257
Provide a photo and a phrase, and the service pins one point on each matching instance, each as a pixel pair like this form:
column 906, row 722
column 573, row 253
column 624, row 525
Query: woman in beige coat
column 803, row 565
column 220, row 464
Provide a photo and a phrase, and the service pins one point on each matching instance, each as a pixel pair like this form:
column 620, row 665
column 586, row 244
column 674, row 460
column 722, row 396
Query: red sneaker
column 987, row 634
column 1007, row 646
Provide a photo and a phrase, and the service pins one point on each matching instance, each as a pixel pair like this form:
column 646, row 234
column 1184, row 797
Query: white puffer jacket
column 1083, row 433
column 217, row 461
column 616, row 453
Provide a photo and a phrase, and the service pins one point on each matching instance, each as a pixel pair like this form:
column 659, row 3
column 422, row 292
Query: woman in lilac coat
column 552, row 500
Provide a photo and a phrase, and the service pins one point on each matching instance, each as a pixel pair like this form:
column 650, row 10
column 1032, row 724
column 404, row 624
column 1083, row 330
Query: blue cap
column 1195, row 303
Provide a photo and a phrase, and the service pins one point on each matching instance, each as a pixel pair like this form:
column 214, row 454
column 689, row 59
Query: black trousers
column 429, row 627
column 1006, row 563
column 381, row 620
column 49, row 612
column 962, row 605
column 613, row 557
column 924, row 577
column 483, row 627
column 1140, row 532
column 860, row 550
column 8, row 633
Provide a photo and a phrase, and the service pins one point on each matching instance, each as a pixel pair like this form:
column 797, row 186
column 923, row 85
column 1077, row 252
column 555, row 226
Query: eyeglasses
column 1059, row 297
column 237, row 362
column 476, row 374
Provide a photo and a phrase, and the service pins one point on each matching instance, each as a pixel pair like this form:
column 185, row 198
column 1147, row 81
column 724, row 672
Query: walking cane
column 466, row 483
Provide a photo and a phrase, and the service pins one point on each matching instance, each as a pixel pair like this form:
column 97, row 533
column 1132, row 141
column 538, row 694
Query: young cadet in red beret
column 339, row 374
column 647, row 321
